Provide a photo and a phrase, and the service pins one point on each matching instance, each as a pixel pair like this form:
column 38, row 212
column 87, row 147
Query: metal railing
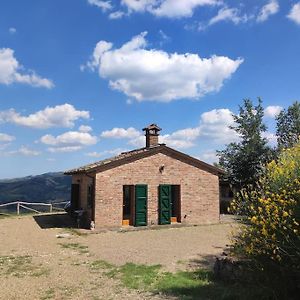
column 24, row 205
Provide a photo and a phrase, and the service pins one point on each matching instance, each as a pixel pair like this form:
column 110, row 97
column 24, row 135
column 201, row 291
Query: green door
column 165, row 196
column 141, row 205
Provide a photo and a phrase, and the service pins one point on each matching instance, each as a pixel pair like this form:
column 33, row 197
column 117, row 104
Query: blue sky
column 79, row 79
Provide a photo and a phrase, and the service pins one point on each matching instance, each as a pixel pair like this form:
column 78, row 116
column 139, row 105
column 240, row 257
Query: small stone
column 63, row 235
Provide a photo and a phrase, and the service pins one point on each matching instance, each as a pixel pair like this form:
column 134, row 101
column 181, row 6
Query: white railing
column 24, row 205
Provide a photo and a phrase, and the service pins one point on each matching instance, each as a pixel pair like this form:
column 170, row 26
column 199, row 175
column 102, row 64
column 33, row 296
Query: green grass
column 21, row 266
column 48, row 294
column 138, row 276
column 185, row 285
column 82, row 249
column 100, row 265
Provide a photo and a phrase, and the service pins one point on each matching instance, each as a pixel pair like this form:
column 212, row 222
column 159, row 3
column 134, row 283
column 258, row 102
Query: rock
column 63, row 235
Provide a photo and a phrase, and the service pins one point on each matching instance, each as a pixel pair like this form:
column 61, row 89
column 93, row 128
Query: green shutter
column 165, row 195
column 141, row 205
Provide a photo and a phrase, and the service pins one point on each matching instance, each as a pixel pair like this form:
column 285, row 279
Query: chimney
column 152, row 133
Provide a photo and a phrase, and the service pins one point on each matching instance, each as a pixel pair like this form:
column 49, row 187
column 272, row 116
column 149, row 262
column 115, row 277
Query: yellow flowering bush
column 271, row 213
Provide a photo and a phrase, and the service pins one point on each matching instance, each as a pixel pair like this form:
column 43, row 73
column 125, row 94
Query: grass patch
column 101, row 265
column 185, row 285
column 49, row 294
column 21, row 266
column 82, row 249
column 138, row 276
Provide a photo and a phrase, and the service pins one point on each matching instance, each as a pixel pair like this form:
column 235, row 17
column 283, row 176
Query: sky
column 79, row 79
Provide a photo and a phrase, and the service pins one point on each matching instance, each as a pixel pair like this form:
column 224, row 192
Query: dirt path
column 48, row 267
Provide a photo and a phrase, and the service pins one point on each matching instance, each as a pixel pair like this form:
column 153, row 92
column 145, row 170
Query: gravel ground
column 58, row 272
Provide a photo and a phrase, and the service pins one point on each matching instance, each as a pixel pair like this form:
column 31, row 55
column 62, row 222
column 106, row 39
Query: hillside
column 47, row 187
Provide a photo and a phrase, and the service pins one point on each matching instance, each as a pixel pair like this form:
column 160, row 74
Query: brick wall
column 199, row 190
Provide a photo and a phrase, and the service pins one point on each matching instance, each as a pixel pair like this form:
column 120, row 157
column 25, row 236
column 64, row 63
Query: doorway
column 169, row 204
column 135, row 205
column 128, row 201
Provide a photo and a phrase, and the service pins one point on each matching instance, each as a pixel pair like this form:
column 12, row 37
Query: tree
column 288, row 126
column 243, row 161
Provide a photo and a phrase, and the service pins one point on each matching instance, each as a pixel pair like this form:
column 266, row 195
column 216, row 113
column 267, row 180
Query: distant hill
column 49, row 187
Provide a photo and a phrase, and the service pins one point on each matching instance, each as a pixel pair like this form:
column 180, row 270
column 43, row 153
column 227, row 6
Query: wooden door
column 165, row 197
column 141, row 204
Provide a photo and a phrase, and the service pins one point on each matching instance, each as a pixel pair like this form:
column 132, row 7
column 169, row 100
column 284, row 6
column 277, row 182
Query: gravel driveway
column 58, row 266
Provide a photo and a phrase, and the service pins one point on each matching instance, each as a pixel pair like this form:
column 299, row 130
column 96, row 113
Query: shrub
column 271, row 211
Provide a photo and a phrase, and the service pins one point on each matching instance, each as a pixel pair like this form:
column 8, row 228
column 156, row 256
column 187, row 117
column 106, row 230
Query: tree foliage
column 243, row 161
column 288, row 126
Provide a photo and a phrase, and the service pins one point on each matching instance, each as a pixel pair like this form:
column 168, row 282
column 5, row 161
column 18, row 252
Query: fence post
column 18, row 208
column 51, row 207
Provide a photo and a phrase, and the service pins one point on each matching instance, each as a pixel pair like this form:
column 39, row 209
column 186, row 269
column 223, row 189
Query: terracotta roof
column 136, row 154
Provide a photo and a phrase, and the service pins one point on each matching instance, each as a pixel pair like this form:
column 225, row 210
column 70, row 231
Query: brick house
column 147, row 186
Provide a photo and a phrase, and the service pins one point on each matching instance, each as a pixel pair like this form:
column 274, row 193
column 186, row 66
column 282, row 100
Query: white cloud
column 272, row 111
column 85, row 128
column 121, row 133
column 69, row 141
column 116, row 15
column 104, row 5
column 163, row 37
column 209, row 157
column 168, row 8
column 157, row 75
column 70, row 138
column 228, row 14
column 213, row 127
column 12, row 30
column 95, row 60
column 6, row 138
column 294, row 14
column 10, row 72
column 139, row 5
column 58, row 116
column 271, row 8
column 271, row 137
column 64, row 149
column 94, row 154
column 172, row 141
column 23, row 150
column 106, row 152
column 181, row 139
